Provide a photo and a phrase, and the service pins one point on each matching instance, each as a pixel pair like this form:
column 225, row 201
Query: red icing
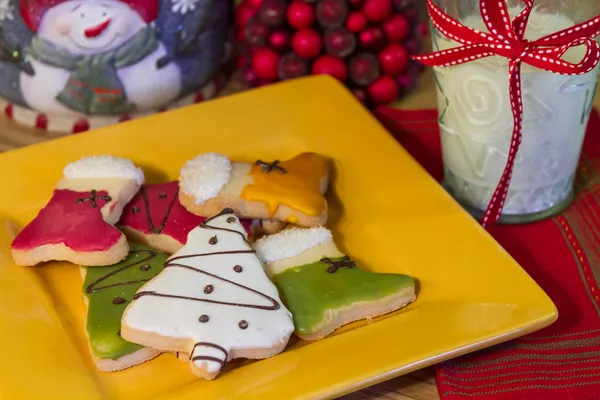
column 80, row 227
column 179, row 221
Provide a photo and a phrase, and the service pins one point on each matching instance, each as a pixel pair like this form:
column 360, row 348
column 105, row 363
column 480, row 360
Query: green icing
column 309, row 290
column 104, row 284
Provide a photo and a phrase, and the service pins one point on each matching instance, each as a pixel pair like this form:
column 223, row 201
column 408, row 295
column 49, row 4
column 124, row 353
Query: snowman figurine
column 104, row 61
column 96, row 57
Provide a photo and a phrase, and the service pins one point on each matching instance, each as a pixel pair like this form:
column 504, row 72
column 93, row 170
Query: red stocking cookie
column 156, row 218
column 77, row 223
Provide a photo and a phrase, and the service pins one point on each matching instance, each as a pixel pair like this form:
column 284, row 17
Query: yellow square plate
column 386, row 212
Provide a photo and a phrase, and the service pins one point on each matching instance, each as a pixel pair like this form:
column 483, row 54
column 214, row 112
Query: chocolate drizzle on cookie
column 94, row 286
column 157, row 230
column 269, row 167
column 334, row 265
column 175, row 262
column 192, row 263
column 92, row 199
column 119, row 300
column 209, row 358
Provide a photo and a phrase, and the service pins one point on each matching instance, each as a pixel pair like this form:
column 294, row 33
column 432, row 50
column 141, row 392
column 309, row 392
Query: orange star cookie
column 290, row 191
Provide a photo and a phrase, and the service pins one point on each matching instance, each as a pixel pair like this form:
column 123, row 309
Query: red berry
column 306, row 43
column 272, row 12
column 371, row 39
column 292, row 66
column 360, row 94
column 256, row 31
column 356, row 21
column 396, row 28
column 265, row 63
column 401, row 5
column 331, row 12
column 377, row 10
column 393, row 59
column 240, row 35
column 330, row 65
column 414, row 45
column 241, row 61
column 280, row 40
column 243, row 14
column 412, row 14
column 408, row 79
column 254, row 3
column 423, row 28
column 300, row 14
column 250, row 77
column 364, row 69
column 384, row 90
column 339, row 42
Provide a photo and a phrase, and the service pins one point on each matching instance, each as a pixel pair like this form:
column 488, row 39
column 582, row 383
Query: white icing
column 179, row 318
column 104, row 167
column 205, row 176
column 290, row 242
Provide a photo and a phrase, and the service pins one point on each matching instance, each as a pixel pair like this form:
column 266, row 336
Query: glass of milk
column 476, row 121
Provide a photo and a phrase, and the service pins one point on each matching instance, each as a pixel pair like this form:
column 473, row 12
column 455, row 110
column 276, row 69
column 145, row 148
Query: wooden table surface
column 416, row 386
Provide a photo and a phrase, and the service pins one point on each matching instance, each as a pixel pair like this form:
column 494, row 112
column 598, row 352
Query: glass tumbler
column 476, row 122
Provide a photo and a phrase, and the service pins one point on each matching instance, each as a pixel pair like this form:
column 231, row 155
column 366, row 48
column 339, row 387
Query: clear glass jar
column 476, row 121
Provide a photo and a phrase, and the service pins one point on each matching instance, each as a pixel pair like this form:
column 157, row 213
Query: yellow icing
column 298, row 188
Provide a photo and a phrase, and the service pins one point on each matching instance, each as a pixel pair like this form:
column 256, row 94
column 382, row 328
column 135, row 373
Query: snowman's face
column 90, row 26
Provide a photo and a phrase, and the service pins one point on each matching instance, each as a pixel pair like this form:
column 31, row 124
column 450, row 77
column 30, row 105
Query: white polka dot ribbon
column 506, row 39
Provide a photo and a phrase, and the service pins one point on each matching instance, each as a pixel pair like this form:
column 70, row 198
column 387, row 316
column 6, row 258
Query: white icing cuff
column 104, row 167
column 205, row 176
column 290, row 242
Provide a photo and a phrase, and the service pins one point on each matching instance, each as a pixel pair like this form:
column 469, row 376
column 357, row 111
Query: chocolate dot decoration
column 119, row 300
column 136, row 209
column 243, row 324
column 204, row 318
column 145, row 267
column 231, row 220
column 208, row 289
column 162, row 196
column 213, row 240
column 238, row 269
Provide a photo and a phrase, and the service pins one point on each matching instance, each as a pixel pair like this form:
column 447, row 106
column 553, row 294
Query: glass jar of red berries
column 365, row 44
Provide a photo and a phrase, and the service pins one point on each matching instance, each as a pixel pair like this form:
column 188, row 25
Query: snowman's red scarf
column 94, row 87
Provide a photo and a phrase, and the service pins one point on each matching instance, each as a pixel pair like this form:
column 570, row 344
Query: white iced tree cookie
column 212, row 301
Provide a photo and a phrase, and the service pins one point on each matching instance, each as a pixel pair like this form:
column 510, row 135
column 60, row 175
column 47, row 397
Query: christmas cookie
column 107, row 291
column 213, row 301
column 290, row 191
column 156, row 218
column 322, row 287
column 77, row 223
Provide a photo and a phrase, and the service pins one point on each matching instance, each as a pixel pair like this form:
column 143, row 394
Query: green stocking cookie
column 322, row 287
column 107, row 291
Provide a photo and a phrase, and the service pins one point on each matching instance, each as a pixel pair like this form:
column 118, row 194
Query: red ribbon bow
column 506, row 39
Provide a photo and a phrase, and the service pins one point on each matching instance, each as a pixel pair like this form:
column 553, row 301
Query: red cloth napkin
column 563, row 255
